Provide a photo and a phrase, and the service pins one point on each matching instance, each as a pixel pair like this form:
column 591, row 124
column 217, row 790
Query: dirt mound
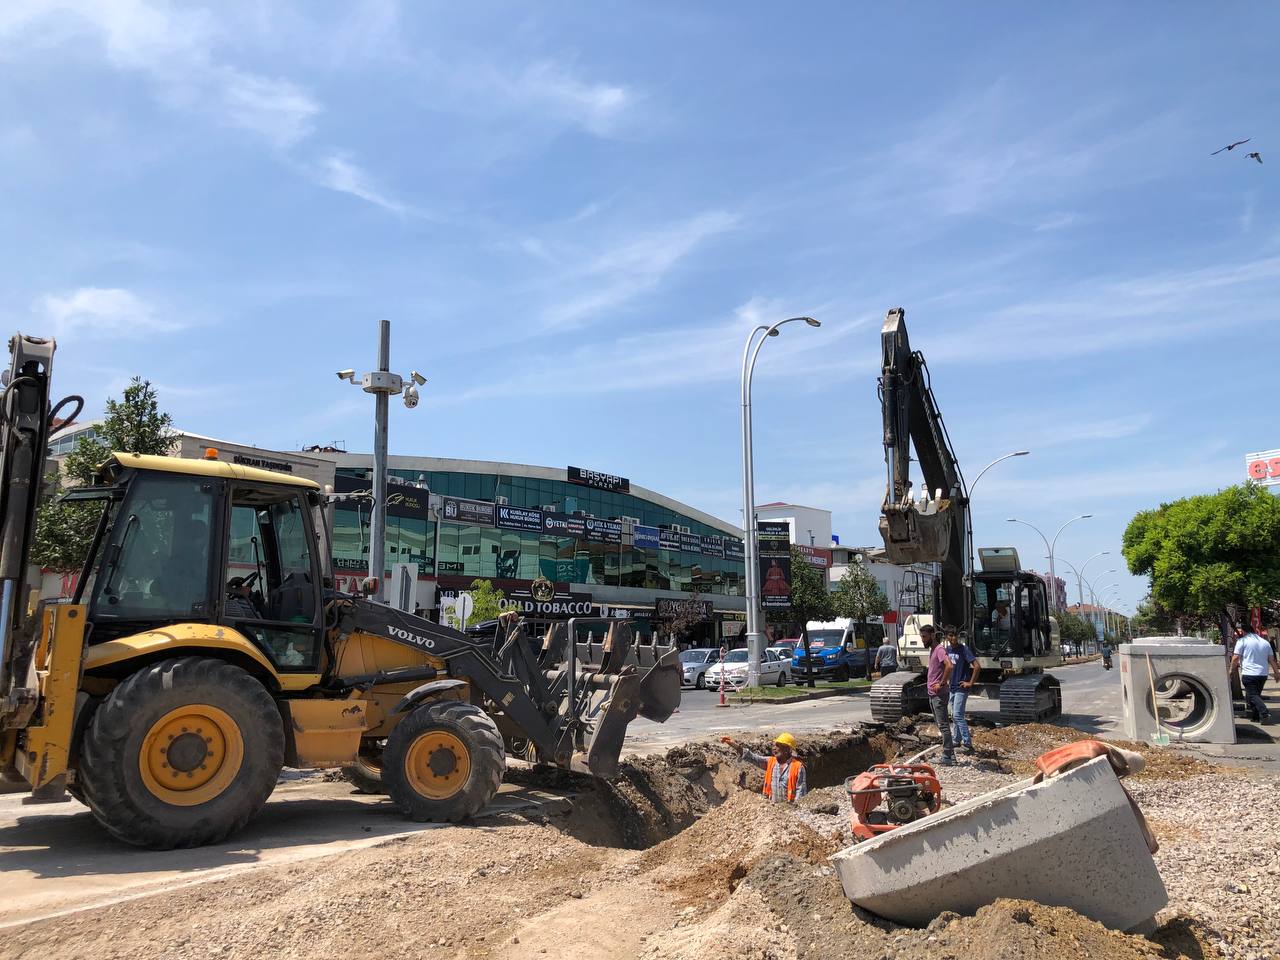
column 1015, row 929
column 1019, row 746
column 707, row 861
column 649, row 802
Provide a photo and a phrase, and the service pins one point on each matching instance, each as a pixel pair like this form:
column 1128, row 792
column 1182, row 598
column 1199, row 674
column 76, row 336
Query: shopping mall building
column 610, row 547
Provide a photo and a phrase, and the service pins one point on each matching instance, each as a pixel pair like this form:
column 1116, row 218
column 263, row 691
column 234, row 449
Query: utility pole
column 383, row 384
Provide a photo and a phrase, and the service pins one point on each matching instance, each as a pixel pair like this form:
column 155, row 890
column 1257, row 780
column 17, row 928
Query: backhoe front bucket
column 914, row 537
column 646, row 683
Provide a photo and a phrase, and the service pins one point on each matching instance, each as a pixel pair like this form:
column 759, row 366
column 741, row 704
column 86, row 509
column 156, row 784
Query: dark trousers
column 1253, row 697
column 939, row 706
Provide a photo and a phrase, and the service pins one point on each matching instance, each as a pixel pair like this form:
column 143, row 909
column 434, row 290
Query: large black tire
column 366, row 773
column 842, row 675
column 782, row 679
column 206, row 714
column 701, row 682
column 443, row 762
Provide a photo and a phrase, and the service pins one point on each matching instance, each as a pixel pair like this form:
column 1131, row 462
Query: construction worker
column 938, row 686
column 784, row 779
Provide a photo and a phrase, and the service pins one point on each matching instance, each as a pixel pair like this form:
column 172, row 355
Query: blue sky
column 573, row 214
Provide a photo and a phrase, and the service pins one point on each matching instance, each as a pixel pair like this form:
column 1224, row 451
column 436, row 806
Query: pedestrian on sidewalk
column 1252, row 657
column 784, row 777
column 886, row 657
column 962, row 674
column 938, row 685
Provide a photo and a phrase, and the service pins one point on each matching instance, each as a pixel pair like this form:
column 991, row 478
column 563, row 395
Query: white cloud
column 593, row 106
column 339, row 173
column 101, row 311
column 1057, row 221
column 177, row 50
column 633, row 267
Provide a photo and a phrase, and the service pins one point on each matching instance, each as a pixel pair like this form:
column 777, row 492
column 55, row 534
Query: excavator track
column 898, row 695
column 1030, row 698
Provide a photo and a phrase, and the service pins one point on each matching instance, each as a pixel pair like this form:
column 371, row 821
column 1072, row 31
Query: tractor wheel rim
column 191, row 754
column 438, row 764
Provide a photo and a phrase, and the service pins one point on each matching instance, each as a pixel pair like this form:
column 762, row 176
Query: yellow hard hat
column 786, row 739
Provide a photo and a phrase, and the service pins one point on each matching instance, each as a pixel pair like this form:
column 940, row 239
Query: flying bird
column 1230, row 146
column 1255, row 156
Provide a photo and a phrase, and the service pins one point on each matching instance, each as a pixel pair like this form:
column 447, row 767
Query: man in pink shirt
column 938, row 683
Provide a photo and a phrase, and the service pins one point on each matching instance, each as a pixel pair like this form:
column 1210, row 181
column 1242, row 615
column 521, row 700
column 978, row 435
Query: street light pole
column 383, row 384
column 749, row 353
column 968, row 496
column 1053, row 574
column 1080, row 575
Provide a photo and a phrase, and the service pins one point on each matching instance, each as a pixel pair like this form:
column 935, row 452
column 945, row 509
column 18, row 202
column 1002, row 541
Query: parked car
column 694, row 665
column 785, row 650
column 838, row 651
column 773, row 669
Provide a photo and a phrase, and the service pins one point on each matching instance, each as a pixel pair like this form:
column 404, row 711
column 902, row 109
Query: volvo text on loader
column 168, row 704
column 1003, row 609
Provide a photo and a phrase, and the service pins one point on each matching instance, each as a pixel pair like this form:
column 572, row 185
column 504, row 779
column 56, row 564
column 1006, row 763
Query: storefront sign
column 466, row 512
column 518, row 595
column 712, row 547
column 816, row 556
column 668, row 540
column 604, row 531
column 669, row 608
column 519, row 518
column 401, row 501
column 601, row 481
column 1264, row 467
column 563, row 525
column 280, row 466
column 646, row 538
column 733, row 548
column 451, row 566
column 690, row 543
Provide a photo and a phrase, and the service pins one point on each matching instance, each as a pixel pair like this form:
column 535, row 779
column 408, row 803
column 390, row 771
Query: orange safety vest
column 793, row 778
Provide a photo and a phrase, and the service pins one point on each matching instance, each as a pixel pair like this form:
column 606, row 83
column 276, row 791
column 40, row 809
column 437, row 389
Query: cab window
column 155, row 565
column 270, row 587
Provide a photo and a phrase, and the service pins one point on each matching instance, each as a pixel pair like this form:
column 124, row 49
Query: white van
column 839, row 649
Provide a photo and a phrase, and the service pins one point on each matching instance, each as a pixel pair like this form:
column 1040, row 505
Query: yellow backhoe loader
column 205, row 648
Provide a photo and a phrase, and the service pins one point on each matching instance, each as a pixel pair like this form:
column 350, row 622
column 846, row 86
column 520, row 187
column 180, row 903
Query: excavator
column 1003, row 609
column 167, row 694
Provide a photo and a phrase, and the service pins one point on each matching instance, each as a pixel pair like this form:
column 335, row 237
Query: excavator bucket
column 914, row 537
column 660, row 688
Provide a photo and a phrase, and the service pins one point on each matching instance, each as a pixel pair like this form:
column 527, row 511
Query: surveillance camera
column 418, row 378
column 347, row 375
column 411, row 396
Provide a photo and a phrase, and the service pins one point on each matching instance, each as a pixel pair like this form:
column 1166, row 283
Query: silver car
column 694, row 665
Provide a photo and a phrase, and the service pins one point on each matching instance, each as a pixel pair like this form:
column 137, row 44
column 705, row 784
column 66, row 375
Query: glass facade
column 481, row 551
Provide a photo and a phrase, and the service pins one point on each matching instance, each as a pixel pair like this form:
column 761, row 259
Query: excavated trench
column 655, row 798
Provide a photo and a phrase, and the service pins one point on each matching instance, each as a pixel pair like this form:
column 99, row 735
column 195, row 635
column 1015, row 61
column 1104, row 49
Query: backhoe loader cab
column 205, row 648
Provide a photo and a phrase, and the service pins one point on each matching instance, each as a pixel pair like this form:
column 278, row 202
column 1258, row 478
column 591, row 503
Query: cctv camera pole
column 378, row 532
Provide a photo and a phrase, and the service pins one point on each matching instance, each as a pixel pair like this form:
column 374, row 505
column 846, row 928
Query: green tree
column 1150, row 620
column 1209, row 555
column 1074, row 629
column 858, row 596
column 133, row 424
column 487, row 604
column 687, row 616
column 810, row 599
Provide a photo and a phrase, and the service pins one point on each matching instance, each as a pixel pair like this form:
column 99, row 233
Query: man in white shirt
column 1252, row 657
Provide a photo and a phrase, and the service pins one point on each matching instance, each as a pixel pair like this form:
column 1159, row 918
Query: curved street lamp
column 968, row 533
column 749, row 353
column 1049, row 545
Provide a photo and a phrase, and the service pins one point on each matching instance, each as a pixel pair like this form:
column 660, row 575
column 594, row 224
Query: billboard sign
column 519, row 518
column 467, row 512
column 1263, row 467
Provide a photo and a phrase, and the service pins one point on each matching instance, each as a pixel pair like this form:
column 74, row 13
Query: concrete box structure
column 1071, row 841
column 1193, row 694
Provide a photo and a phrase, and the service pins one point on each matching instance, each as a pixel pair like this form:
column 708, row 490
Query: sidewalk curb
column 796, row 698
